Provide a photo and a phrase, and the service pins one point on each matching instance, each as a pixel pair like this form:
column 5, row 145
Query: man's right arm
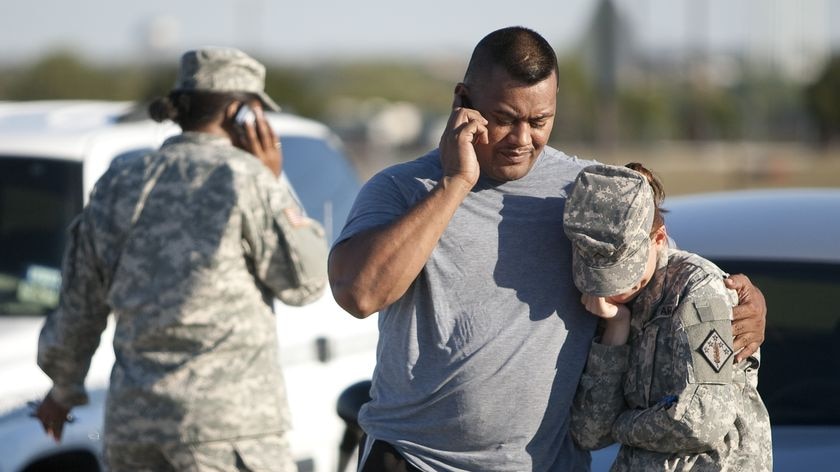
column 373, row 268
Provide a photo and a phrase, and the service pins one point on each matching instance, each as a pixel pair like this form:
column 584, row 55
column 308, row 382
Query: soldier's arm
column 599, row 398
column 71, row 334
column 692, row 422
column 696, row 418
column 289, row 250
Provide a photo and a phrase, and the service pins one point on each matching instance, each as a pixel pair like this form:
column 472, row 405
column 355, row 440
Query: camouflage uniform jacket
column 188, row 247
column 673, row 396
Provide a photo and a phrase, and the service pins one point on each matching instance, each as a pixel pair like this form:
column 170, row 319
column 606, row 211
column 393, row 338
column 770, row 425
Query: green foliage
column 759, row 104
column 156, row 82
column 576, row 103
column 389, row 80
column 63, row 75
column 645, row 114
column 822, row 100
column 291, row 89
column 705, row 113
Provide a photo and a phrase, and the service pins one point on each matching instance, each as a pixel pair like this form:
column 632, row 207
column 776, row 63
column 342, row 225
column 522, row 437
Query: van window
column 39, row 197
column 799, row 378
column 323, row 180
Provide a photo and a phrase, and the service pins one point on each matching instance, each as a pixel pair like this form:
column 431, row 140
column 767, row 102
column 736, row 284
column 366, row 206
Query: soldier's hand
column 600, row 307
column 749, row 318
column 52, row 416
column 615, row 319
column 259, row 139
column 465, row 128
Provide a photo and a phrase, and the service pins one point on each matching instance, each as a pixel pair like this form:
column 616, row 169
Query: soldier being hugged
column 662, row 378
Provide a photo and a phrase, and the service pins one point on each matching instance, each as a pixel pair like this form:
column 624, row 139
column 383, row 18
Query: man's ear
column 460, row 92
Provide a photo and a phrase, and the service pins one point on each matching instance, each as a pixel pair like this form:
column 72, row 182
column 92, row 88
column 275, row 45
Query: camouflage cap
column 608, row 218
column 218, row 69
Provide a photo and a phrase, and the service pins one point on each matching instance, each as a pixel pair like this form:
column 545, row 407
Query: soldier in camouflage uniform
column 661, row 379
column 188, row 247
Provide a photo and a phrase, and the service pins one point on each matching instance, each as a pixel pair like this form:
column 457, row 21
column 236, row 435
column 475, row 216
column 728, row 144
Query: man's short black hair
column 522, row 53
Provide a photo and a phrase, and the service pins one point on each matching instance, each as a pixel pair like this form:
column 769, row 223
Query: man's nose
column 520, row 135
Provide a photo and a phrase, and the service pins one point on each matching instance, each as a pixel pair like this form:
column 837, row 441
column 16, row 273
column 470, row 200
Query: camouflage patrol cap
column 608, row 218
column 218, row 69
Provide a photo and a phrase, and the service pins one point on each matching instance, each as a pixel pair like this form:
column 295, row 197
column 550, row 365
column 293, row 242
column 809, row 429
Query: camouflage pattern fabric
column 218, row 69
column 608, row 217
column 673, row 396
column 187, row 247
column 267, row 453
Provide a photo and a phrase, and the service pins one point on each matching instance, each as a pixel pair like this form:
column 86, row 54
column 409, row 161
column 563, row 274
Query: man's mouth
column 515, row 156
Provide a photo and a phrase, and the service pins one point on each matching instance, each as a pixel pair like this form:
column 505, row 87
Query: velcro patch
column 715, row 350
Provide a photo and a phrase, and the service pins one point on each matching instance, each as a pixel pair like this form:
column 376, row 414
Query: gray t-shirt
column 478, row 362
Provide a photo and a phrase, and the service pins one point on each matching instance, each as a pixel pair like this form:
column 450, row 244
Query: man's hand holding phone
column 465, row 128
column 254, row 134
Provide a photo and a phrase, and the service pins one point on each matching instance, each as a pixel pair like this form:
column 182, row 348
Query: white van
column 51, row 154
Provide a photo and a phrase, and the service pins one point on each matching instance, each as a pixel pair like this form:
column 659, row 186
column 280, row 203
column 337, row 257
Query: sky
column 312, row 30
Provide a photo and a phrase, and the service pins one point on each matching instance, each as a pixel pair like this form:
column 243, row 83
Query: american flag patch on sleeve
column 295, row 217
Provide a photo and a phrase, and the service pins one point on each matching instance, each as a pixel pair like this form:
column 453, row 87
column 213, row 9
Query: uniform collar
column 645, row 303
column 196, row 137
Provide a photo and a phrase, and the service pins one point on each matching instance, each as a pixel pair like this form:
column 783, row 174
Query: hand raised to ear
column 258, row 138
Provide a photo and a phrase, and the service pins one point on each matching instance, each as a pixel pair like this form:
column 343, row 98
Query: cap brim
column 611, row 280
column 268, row 102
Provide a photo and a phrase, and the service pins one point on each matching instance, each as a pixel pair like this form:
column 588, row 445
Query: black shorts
column 382, row 457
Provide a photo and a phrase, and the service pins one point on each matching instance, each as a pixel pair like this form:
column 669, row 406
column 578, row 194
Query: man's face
column 520, row 119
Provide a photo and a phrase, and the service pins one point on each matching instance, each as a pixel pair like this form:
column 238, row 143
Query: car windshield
column 799, row 378
column 38, row 199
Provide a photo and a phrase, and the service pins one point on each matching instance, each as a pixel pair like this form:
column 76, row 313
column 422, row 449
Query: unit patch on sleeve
column 715, row 350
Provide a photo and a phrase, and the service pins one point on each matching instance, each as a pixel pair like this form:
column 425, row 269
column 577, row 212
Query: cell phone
column 245, row 116
column 465, row 101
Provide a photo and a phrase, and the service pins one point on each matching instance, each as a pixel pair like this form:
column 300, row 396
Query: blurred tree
column 645, row 115
column 770, row 107
column 822, row 100
column 63, row 75
column 576, row 115
column 291, row 88
column 705, row 113
column 755, row 103
column 389, row 80
column 156, row 81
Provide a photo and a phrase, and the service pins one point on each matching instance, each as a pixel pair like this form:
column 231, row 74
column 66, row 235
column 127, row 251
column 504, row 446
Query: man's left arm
column 748, row 318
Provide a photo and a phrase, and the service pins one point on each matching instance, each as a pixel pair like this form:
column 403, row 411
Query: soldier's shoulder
column 695, row 271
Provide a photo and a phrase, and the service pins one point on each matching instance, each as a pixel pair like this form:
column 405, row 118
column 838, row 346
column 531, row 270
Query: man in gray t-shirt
column 462, row 251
